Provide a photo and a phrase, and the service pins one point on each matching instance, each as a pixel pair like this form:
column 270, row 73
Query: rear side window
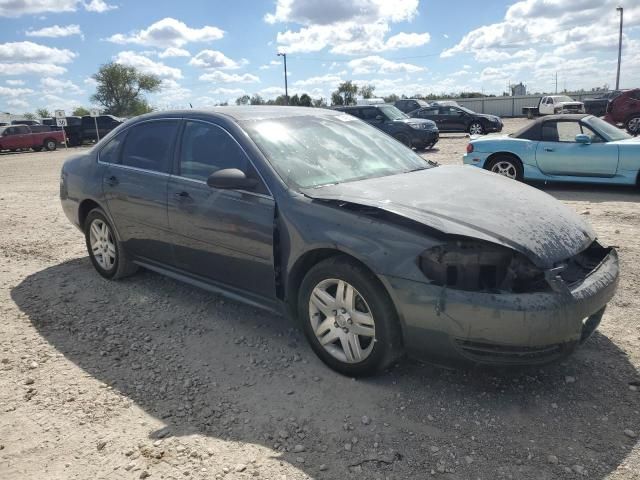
column 369, row 113
column 148, row 145
column 109, row 153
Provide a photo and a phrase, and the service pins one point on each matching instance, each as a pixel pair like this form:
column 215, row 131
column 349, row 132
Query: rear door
column 135, row 186
column 559, row 154
column 221, row 234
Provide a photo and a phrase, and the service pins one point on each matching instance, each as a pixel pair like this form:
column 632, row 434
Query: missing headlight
column 481, row 266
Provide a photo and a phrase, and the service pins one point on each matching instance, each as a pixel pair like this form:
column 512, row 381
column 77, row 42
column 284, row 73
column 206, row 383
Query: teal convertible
column 561, row 148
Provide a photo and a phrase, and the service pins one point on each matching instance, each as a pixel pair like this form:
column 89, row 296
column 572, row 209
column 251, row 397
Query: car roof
column 534, row 128
column 249, row 112
column 564, row 116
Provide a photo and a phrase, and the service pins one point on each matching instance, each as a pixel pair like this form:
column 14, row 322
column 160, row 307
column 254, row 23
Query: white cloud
column 54, row 85
column 31, row 69
column 17, row 103
column 33, row 52
column 376, row 64
column 354, row 27
column 329, row 79
column 55, row 31
column 90, row 81
column 222, row 77
column 236, row 92
column 17, row 8
column 99, row 6
column 271, row 92
column 146, row 65
column 15, row 83
column 14, row 92
column 174, row 52
column 168, row 32
column 173, row 92
column 215, row 59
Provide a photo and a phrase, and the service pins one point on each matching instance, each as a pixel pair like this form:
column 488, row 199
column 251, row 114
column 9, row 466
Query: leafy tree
column 294, row 101
column 319, row 102
column 120, row 89
column 336, row 98
column 81, row 112
column 391, row 98
column 43, row 113
column 243, row 100
column 348, row 91
column 367, row 91
column 257, row 100
column 28, row 116
column 305, row 100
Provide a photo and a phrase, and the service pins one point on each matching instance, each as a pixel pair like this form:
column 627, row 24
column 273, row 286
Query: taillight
column 469, row 147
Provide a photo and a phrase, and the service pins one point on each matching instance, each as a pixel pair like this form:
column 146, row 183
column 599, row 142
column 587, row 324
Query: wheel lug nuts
column 345, row 330
column 349, row 321
column 335, row 312
column 335, row 324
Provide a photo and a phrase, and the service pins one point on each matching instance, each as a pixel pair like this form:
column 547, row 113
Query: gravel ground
column 148, row 377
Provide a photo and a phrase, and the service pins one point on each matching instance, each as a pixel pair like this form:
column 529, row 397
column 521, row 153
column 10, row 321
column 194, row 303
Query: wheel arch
column 307, row 261
column 84, row 208
column 488, row 163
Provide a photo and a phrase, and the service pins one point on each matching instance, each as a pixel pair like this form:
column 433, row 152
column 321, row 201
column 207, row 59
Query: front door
column 559, row 154
column 224, row 235
column 135, row 187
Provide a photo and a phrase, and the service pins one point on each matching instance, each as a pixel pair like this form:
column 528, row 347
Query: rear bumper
column 455, row 326
column 477, row 159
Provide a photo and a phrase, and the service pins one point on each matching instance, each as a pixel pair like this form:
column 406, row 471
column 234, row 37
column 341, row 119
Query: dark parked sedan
column 459, row 119
column 412, row 132
column 372, row 249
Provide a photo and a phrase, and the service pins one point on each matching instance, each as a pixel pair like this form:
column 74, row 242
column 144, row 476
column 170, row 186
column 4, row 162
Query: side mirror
column 231, row 178
column 379, row 118
column 583, row 138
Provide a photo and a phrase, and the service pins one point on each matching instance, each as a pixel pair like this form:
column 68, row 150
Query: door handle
column 112, row 181
column 182, row 195
column 548, row 149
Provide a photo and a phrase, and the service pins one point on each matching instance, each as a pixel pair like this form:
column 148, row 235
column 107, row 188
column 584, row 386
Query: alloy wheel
column 51, row 145
column 506, row 169
column 342, row 321
column 102, row 244
column 634, row 125
column 475, row 129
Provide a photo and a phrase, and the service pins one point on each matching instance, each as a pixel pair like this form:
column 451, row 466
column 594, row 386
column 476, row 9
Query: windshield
column 464, row 109
column 310, row 151
column 563, row 98
column 610, row 132
column 391, row 112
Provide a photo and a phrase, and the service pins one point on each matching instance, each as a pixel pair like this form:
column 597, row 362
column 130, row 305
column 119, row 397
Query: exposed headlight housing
column 474, row 265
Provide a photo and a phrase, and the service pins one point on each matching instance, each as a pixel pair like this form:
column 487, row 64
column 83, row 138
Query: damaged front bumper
column 441, row 323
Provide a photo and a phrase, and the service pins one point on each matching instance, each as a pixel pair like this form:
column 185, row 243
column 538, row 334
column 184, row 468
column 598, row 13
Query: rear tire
column 404, row 139
column 50, row 144
column 507, row 166
column 360, row 332
column 105, row 250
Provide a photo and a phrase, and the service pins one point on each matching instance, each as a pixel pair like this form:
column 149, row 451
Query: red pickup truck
column 18, row 137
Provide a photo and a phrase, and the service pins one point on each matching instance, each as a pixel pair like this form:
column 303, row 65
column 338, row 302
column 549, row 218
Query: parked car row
column 372, row 249
column 83, row 129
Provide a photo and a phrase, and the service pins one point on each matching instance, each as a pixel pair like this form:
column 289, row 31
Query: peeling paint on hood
column 474, row 203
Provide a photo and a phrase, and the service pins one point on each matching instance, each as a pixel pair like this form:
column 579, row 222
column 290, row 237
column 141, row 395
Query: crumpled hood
column 474, row 203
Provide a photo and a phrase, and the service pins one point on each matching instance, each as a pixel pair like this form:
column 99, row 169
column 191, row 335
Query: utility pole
column 556, row 83
column 621, row 10
column 286, row 89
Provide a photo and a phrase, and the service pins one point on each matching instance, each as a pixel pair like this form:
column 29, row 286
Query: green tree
column 319, row 102
column 294, row 101
column 43, row 113
column 391, row 98
column 81, row 112
column 243, row 100
column 305, row 100
column 257, row 100
column 367, row 91
column 336, row 98
column 120, row 89
column 29, row 116
column 348, row 91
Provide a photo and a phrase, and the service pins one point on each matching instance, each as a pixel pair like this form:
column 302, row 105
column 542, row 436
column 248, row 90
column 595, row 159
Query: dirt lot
column 149, row 377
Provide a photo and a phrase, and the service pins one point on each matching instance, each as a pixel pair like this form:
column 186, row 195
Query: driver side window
column 207, row 148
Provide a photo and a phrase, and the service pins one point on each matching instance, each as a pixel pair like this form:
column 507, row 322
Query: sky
column 207, row 52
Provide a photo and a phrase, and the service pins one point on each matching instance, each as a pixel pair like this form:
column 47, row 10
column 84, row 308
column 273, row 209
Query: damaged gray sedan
column 373, row 250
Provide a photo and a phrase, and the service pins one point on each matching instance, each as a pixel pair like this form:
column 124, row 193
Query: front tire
column 507, row 166
column 476, row 128
column 348, row 317
column 633, row 125
column 105, row 250
column 404, row 139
